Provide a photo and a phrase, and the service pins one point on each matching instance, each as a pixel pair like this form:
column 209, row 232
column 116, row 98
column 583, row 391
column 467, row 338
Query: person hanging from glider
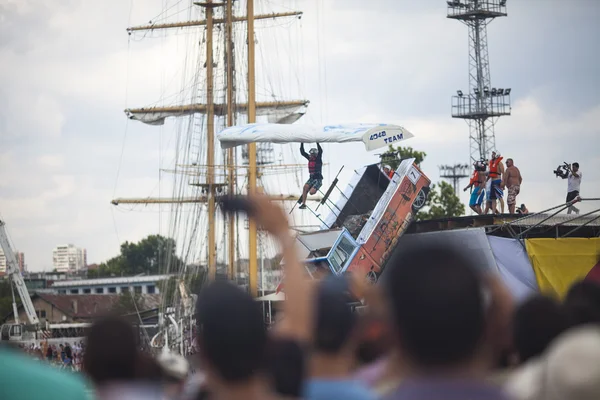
column 315, row 166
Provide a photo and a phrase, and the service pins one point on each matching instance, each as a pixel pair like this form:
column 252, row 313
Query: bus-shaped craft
column 365, row 224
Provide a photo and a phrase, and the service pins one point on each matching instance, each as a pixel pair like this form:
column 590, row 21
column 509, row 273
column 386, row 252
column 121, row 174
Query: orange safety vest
column 494, row 167
column 391, row 174
column 474, row 178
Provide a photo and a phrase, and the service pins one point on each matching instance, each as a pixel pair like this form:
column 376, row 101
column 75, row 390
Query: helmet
column 387, row 167
column 497, row 153
column 313, row 151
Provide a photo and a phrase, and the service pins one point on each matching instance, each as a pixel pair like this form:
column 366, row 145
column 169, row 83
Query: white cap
column 174, row 365
column 568, row 370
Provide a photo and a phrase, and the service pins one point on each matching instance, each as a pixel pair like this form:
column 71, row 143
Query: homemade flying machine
column 360, row 231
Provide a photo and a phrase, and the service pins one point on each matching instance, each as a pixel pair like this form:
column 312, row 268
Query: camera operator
column 573, row 185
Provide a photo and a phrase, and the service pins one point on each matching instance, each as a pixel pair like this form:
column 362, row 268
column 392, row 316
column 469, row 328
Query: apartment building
column 68, row 258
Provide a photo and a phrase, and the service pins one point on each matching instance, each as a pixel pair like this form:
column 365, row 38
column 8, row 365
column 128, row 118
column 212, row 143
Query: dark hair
column 335, row 321
column 287, row 366
column 576, row 164
column 437, row 304
column 537, row 322
column 583, row 302
column 148, row 369
column 111, row 352
column 232, row 335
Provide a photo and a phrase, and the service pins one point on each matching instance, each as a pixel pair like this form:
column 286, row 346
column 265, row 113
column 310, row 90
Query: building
column 68, row 258
column 20, row 261
column 55, row 309
column 136, row 284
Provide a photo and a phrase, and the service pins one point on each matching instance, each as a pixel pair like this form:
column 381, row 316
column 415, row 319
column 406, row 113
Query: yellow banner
column 558, row 263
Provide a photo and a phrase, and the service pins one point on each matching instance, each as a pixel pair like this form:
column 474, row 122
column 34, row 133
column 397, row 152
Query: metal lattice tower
column 454, row 173
column 483, row 104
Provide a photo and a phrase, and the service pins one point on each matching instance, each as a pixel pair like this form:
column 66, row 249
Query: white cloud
column 67, row 66
column 32, row 114
column 51, row 161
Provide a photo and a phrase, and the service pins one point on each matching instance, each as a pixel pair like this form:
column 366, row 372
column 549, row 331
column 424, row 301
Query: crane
column 14, row 275
column 17, row 330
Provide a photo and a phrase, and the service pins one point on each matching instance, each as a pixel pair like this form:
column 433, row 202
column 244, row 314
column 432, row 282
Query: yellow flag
column 558, row 263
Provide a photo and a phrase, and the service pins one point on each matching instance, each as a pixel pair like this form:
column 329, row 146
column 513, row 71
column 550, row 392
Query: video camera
column 562, row 171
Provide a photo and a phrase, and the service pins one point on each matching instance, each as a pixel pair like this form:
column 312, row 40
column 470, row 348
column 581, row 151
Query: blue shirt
column 446, row 389
column 331, row 389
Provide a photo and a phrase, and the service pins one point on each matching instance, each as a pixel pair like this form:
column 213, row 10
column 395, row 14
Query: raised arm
column 320, row 149
column 303, row 152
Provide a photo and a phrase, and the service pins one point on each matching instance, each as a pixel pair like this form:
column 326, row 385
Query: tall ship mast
column 223, row 39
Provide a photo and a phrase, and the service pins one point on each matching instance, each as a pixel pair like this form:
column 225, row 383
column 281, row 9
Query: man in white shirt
column 573, row 186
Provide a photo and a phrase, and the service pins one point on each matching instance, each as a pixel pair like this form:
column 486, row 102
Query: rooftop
column 110, row 281
column 514, row 225
column 92, row 305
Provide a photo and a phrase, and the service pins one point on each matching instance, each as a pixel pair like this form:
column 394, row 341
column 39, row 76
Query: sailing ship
column 225, row 172
column 218, row 97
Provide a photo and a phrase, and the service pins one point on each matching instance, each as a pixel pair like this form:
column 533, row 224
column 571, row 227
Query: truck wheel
column 420, row 200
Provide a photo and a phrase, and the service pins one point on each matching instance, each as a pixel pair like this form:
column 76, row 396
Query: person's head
column 438, row 304
column 313, row 153
column 495, row 154
column 232, row 336
column 537, row 322
column 387, row 169
column 287, row 366
column 111, row 352
column 575, row 167
column 510, row 162
column 583, row 302
column 335, row 322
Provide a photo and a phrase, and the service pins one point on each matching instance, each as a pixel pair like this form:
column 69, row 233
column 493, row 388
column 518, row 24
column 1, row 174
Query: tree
column 395, row 155
column 147, row 256
column 6, row 299
column 442, row 201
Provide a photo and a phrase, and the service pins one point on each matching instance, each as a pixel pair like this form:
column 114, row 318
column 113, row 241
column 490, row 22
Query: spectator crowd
column 436, row 326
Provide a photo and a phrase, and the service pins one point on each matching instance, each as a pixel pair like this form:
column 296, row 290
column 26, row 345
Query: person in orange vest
column 389, row 172
column 496, row 171
column 477, row 182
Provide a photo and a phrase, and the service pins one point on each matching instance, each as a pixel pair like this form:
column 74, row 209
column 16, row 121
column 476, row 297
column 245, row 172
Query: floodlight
column 493, row 91
column 507, row 91
column 502, row 3
column 500, row 92
column 486, row 90
column 476, row 91
column 460, row 93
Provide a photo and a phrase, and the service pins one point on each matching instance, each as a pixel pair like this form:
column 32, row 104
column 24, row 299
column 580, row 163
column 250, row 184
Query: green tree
column 6, row 300
column 395, row 155
column 442, row 201
column 147, row 256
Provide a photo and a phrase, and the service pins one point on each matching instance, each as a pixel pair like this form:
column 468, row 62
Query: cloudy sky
column 67, row 71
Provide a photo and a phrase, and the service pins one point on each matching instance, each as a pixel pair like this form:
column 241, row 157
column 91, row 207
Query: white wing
column 374, row 136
